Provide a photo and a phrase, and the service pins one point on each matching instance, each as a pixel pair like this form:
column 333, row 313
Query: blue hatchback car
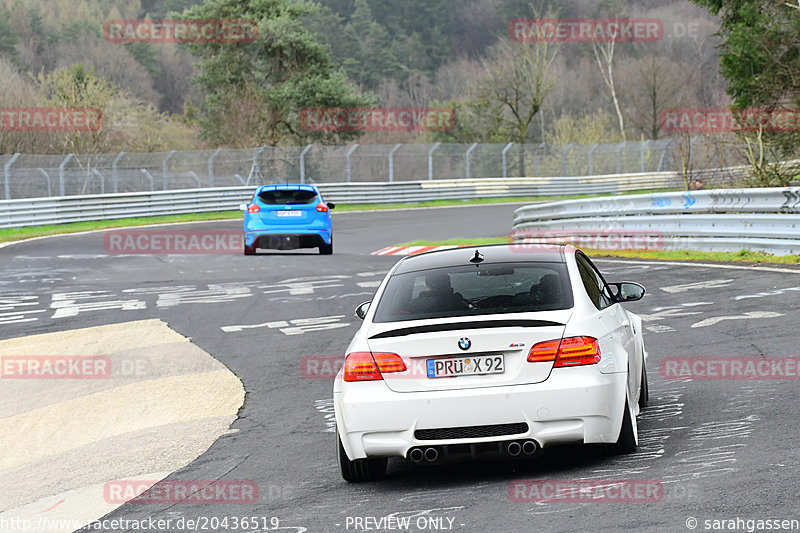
column 287, row 217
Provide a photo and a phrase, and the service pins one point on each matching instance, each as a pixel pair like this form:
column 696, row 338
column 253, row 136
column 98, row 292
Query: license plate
column 289, row 213
column 465, row 366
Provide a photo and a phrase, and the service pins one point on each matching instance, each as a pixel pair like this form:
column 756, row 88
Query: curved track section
column 718, row 449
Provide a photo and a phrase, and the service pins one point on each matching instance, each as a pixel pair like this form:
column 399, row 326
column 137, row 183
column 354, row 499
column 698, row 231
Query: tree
column 760, row 60
column 761, row 66
column 9, row 38
column 371, row 56
column 127, row 124
column 651, row 84
column 256, row 91
column 604, row 55
column 518, row 78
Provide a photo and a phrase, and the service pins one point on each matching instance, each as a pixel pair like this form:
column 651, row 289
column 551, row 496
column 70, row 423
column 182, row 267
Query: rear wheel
column 626, row 442
column 361, row 469
column 326, row 249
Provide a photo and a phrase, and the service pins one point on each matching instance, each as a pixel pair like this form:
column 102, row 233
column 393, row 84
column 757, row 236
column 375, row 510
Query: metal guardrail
column 59, row 210
column 698, row 220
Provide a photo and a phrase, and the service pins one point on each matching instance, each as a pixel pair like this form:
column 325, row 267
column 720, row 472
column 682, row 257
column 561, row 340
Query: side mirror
column 361, row 310
column 331, row 205
column 242, row 207
column 628, row 291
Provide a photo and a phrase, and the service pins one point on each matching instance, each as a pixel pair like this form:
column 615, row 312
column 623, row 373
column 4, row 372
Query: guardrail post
column 47, row 177
column 566, row 151
column 303, row 163
column 61, row 168
column 643, row 146
column 349, row 153
column 591, row 158
column 148, row 176
column 102, row 180
column 164, row 168
column 430, row 160
column 115, row 171
column 7, row 170
column 619, row 157
column 505, row 160
column 391, row 161
column 535, row 158
column 469, row 151
column 211, row 167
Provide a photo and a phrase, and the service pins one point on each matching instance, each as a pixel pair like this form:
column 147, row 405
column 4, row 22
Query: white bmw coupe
column 486, row 352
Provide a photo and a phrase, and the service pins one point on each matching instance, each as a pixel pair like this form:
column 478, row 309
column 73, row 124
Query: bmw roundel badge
column 464, row 343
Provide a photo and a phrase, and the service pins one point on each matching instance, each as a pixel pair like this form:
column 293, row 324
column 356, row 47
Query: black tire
column 359, row 470
column 644, row 389
column 326, row 249
column 626, row 442
column 249, row 250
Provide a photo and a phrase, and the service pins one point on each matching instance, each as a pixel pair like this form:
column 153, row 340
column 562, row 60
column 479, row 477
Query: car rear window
column 472, row 291
column 287, row 196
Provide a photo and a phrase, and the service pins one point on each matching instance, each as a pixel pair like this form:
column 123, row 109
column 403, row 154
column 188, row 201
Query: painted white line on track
column 747, row 316
column 711, row 284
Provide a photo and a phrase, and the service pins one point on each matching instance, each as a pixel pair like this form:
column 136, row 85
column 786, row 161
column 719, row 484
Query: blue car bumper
column 286, row 239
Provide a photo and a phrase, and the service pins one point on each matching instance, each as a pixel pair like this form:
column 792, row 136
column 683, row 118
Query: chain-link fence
column 30, row 176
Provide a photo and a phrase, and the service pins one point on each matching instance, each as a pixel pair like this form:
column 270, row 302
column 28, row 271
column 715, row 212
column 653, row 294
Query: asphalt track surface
column 721, row 449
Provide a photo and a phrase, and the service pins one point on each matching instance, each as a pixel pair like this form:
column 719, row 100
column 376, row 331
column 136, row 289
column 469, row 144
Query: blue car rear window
column 287, row 196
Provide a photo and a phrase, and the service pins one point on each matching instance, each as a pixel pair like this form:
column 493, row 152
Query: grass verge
column 16, row 234
column 743, row 256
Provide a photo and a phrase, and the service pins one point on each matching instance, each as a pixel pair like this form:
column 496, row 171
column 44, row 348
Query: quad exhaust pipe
column 514, row 448
column 530, row 447
column 431, row 454
column 527, row 447
column 417, row 455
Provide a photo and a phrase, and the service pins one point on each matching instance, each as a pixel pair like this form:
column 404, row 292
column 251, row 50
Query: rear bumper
column 575, row 405
column 287, row 239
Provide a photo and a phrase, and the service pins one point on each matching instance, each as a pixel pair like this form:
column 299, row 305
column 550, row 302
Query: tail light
column 570, row 351
column 253, row 208
column 544, row 351
column 322, row 208
column 366, row 366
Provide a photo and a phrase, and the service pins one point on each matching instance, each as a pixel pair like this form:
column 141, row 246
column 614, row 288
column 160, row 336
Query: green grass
column 743, row 256
column 16, row 234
